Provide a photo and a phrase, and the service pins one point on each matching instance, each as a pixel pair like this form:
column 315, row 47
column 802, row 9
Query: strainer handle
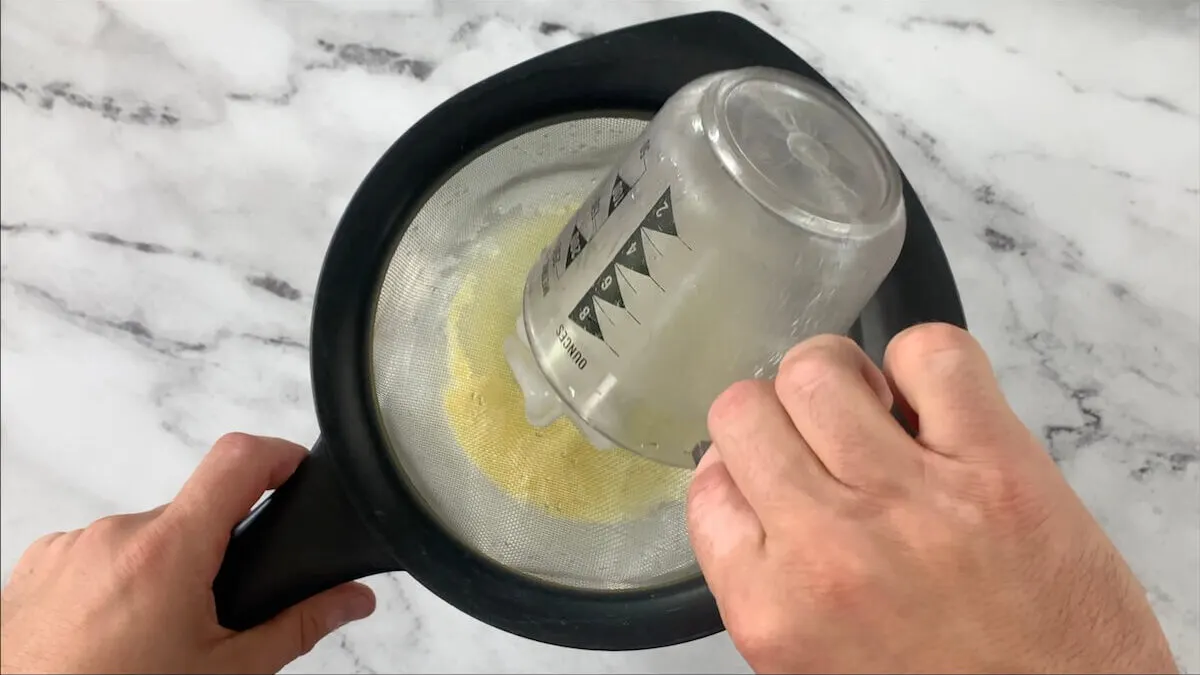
column 304, row 538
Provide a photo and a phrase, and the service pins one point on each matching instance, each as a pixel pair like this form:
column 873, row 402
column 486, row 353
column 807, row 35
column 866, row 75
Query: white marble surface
column 172, row 172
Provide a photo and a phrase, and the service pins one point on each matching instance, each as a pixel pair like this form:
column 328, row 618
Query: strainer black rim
column 636, row 69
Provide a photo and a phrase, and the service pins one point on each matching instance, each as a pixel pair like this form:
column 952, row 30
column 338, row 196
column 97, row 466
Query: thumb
column 295, row 631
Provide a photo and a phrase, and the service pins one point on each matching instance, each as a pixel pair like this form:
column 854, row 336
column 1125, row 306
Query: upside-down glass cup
column 757, row 209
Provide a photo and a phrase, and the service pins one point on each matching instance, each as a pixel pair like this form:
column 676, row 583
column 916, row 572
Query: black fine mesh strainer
column 426, row 463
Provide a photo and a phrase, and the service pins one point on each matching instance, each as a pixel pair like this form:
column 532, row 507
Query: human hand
column 833, row 541
column 133, row 593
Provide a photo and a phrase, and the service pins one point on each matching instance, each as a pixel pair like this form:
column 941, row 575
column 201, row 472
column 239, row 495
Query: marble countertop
column 172, row 173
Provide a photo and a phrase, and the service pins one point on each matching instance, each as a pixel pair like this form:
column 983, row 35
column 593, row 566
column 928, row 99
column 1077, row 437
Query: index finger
column 230, row 479
column 767, row 458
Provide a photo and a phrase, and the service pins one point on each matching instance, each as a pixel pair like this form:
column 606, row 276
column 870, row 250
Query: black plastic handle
column 304, row 538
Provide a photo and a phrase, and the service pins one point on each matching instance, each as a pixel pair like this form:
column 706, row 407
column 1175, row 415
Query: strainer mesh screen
column 538, row 501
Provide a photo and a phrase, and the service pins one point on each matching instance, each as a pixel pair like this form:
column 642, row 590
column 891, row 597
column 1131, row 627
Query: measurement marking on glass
column 627, row 177
column 584, row 225
column 606, row 290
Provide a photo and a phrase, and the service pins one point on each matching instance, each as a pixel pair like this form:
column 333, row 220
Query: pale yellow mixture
column 553, row 468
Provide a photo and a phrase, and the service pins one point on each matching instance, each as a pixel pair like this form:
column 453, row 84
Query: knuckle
column 138, row 555
column 939, row 540
column 760, row 636
column 829, row 341
column 706, row 490
column 863, row 506
column 840, row 581
column 807, row 367
column 37, row 552
column 707, row 479
column 43, row 542
column 994, row 486
column 1008, row 496
column 104, row 528
column 311, row 630
column 1000, row 496
column 149, row 549
column 922, row 341
column 734, row 402
column 837, row 588
column 235, row 446
column 104, row 536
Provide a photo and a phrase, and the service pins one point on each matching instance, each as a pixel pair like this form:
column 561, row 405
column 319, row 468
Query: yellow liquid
column 553, row 468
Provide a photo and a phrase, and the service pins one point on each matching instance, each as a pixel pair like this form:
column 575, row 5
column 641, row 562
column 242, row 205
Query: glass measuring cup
column 757, row 209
